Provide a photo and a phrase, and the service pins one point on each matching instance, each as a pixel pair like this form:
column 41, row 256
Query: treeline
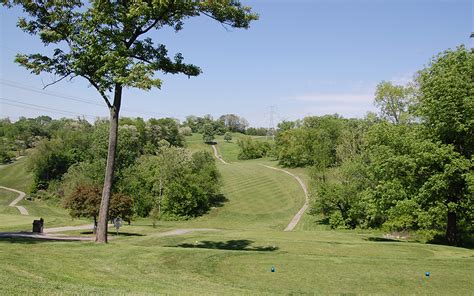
column 410, row 168
column 154, row 174
column 25, row 133
column 221, row 125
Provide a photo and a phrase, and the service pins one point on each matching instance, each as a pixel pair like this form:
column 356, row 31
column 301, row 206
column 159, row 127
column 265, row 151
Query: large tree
column 446, row 107
column 106, row 43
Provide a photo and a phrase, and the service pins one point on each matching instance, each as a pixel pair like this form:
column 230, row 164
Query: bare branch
column 56, row 81
column 223, row 24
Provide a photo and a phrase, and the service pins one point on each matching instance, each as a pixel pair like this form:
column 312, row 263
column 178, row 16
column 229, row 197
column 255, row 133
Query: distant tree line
column 227, row 123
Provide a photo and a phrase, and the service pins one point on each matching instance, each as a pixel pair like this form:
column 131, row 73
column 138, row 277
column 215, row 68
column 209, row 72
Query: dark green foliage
column 404, row 176
column 259, row 131
column 5, row 156
column 208, row 133
column 228, row 137
column 314, row 143
column 252, row 149
column 205, row 124
column 446, row 104
column 401, row 181
column 164, row 128
column 52, row 158
column 173, row 183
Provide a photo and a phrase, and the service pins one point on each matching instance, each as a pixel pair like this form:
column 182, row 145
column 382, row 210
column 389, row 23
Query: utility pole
column 271, row 124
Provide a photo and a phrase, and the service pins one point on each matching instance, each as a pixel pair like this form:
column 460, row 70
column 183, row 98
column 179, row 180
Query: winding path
column 300, row 213
column 216, row 154
column 21, row 195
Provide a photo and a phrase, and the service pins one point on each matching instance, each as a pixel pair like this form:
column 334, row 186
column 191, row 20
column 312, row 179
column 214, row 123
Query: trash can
column 38, row 225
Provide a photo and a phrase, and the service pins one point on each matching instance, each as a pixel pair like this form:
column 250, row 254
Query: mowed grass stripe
column 256, row 194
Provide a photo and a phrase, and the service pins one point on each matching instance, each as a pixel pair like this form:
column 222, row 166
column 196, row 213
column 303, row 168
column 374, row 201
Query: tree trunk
column 101, row 235
column 452, row 229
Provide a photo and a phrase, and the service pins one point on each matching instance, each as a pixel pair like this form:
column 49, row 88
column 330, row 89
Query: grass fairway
column 16, row 175
column 243, row 240
column 234, row 262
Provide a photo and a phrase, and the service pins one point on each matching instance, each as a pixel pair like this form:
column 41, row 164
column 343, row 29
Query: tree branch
column 141, row 59
column 56, row 81
column 101, row 92
column 223, row 24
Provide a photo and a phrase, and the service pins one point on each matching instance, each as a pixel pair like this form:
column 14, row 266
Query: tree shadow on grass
column 465, row 241
column 240, row 245
column 382, row 239
column 113, row 233
column 34, row 240
column 23, row 241
column 323, row 221
column 218, row 200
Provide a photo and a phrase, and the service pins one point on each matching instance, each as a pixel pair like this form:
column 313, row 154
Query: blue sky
column 304, row 57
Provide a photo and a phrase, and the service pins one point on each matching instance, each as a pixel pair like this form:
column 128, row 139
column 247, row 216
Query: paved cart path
column 300, row 213
column 21, row 195
column 216, row 154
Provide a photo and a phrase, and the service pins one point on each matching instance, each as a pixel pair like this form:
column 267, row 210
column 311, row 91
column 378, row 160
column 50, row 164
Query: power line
column 77, row 99
column 41, row 108
column 19, row 86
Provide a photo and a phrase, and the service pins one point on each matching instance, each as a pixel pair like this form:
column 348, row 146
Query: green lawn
column 16, row 175
column 237, row 257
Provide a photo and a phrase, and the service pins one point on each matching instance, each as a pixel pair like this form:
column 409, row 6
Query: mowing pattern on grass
column 257, row 197
column 300, row 213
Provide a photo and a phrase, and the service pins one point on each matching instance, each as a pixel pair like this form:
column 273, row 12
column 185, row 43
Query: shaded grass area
column 224, row 263
column 240, row 244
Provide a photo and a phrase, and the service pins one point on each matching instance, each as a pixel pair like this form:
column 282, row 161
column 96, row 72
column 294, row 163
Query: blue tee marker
column 273, row 269
column 427, row 274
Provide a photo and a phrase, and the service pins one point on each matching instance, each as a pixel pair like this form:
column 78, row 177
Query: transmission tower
column 271, row 124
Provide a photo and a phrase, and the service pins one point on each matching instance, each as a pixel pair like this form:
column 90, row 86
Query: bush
column 5, row 156
column 252, row 149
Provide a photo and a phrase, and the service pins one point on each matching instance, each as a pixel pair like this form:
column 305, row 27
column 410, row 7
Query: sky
column 302, row 57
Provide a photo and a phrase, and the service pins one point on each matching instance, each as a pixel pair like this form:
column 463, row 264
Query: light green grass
column 237, row 258
column 16, row 175
column 306, row 263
